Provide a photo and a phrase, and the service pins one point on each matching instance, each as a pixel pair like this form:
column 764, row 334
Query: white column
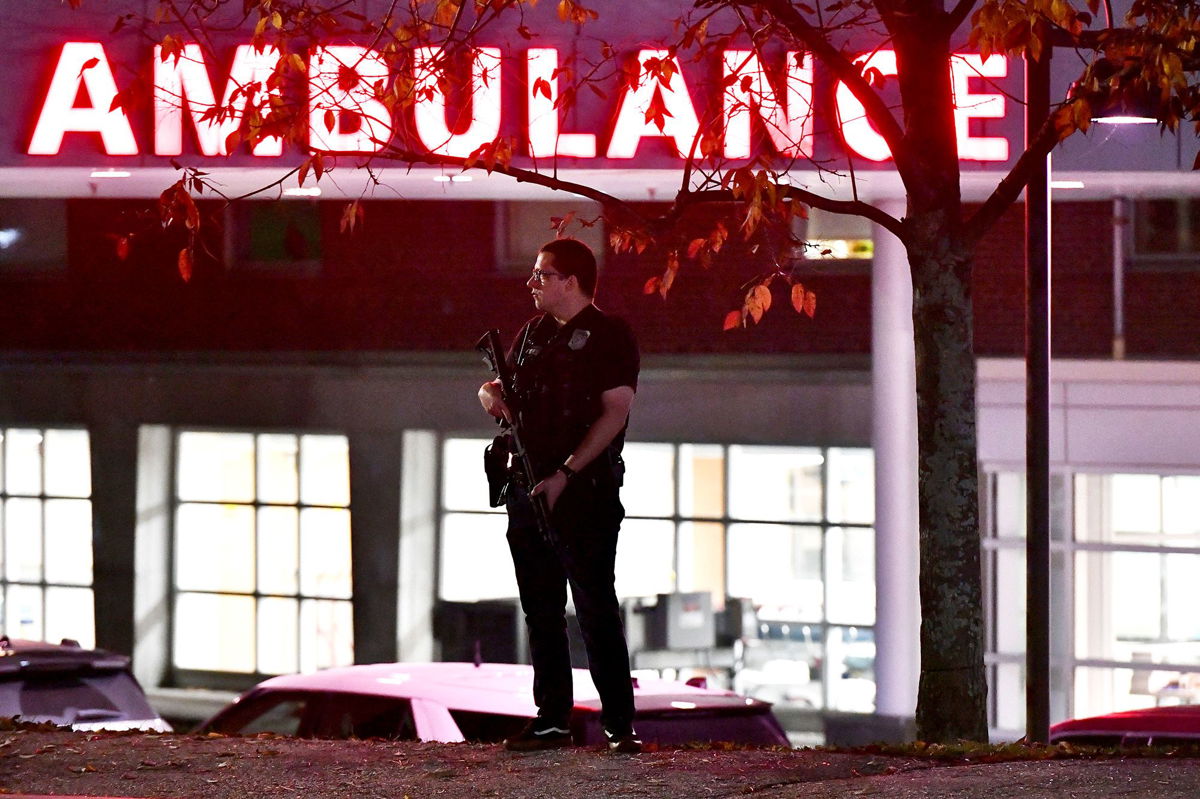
column 894, row 438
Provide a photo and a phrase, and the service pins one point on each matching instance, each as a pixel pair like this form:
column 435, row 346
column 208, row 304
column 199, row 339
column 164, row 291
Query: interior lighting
column 302, row 191
column 462, row 178
column 441, row 178
column 111, row 173
column 1066, row 184
column 8, row 237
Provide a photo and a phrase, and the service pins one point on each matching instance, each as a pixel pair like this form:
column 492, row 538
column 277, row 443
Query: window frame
column 42, row 585
column 180, row 676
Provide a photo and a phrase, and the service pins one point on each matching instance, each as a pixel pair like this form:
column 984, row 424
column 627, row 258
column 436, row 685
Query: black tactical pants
column 585, row 520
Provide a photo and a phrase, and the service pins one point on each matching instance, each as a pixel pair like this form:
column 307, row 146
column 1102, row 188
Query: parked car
column 1153, row 726
column 482, row 703
column 85, row 689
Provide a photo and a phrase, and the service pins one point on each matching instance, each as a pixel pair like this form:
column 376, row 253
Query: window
column 523, row 227
column 282, row 239
column 1125, row 549
column 261, row 553
column 788, row 528
column 1166, row 233
column 46, row 535
column 33, row 236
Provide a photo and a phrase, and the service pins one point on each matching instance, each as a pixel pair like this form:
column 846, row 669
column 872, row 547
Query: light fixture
column 8, row 237
column 111, row 173
column 441, row 178
column 462, row 178
column 1123, row 119
column 1066, row 184
column 302, row 191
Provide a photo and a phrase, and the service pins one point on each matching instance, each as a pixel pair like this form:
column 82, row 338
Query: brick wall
column 423, row 276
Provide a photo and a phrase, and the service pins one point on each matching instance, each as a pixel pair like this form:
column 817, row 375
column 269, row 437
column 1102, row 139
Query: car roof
column 1178, row 720
column 504, row 688
column 21, row 655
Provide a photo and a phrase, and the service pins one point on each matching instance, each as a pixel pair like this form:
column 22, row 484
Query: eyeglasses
column 540, row 276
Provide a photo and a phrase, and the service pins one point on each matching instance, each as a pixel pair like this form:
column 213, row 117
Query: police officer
column 575, row 370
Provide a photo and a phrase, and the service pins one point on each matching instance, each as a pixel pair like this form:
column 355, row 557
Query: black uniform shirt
column 561, row 374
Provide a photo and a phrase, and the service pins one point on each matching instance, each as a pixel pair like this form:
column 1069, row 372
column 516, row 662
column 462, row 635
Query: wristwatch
column 567, row 470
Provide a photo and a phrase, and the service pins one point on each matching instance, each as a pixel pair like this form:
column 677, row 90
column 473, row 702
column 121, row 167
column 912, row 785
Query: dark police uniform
column 560, row 374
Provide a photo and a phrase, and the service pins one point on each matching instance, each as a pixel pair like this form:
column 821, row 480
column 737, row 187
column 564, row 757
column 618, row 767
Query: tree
column 358, row 107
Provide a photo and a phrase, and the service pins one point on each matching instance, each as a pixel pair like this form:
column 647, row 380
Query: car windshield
column 73, row 698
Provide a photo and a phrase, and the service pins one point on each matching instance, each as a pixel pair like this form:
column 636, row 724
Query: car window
column 320, row 715
column 359, row 716
column 480, row 727
column 754, row 726
column 282, row 717
column 76, row 698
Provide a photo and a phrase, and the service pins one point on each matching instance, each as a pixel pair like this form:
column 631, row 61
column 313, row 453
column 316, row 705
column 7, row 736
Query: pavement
column 60, row 763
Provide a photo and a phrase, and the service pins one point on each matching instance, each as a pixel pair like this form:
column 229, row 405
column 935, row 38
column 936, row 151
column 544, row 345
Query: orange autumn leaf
column 732, row 320
column 185, row 264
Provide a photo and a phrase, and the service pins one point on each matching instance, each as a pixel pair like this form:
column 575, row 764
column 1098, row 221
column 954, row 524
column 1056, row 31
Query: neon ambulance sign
column 81, row 93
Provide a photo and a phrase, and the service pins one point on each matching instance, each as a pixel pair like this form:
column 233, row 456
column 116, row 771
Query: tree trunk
column 951, row 699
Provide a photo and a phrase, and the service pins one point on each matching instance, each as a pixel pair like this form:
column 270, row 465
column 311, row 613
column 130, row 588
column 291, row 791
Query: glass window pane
column 325, row 552
column 1182, row 601
column 1104, row 690
column 702, row 559
column 70, row 613
column 850, row 575
column 278, row 469
column 784, row 665
column 23, row 539
column 850, row 666
column 68, row 464
column 1118, row 606
column 645, row 558
column 278, row 550
column 69, row 541
column 1181, row 507
column 850, row 477
column 23, row 462
column 326, row 634
column 214, row 632
column 464, row 485
column 701, row 481
column 649, row 488
column 216, row 467
column 1009, row 515
column 779, row 568
column 1136, row 503
column 475, row 562
column 1009, row 585
column 324, row 470
column 278, row 636
column 23, row 612
column 214, row 548
column 775, row 483
column 1007, row 693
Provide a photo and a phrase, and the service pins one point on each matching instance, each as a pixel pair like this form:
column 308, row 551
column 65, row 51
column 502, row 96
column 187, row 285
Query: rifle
column 493, row 353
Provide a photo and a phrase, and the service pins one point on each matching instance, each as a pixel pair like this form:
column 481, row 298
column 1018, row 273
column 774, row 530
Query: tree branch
column 608, row 201
column 687, row 199
column 843, row 68
column 1010, row 187
column 959, row 13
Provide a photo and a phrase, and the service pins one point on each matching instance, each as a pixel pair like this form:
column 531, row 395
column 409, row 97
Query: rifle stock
column 493, row 351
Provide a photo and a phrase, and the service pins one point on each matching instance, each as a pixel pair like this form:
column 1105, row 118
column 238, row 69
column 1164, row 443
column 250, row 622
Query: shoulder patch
column 578, row 339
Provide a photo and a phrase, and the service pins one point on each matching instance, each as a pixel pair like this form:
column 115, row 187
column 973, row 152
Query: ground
column 141, row 765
